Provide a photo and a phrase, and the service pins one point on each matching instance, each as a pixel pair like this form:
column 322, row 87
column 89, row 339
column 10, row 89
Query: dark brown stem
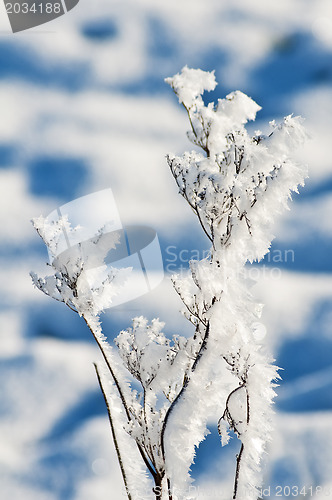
column 203, row 227
column 170, row 496
column 185, row 196
column 150, row 467
column 237, row 474
column 190, row 121
column 183, row 388
column 196, row 315
column 117, row 449
column 158, row 489
column 101, row 348
column 239, row 457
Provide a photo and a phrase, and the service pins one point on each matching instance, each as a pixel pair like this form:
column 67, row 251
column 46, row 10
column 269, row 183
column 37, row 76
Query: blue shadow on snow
column 101, row 30
column 17, row 62
column 60, row 177
column 296, row 63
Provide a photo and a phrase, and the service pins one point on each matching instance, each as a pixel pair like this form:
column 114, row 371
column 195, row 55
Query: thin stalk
column 237, row 473
column 183, row 388
column 99, row 343
column 239, row 457
column 123, row 401
column 117, row 449
column 158, row 490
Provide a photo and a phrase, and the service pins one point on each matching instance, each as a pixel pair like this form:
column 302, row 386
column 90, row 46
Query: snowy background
column 84, row 107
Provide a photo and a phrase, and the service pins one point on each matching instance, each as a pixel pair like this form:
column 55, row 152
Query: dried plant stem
column 116, row 444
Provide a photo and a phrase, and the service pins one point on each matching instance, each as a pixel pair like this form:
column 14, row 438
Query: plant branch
column 183, row 388
column 102, row 350
column 123, row 401
column 117, row 449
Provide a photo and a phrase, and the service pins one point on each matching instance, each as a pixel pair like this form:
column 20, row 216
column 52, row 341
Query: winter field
column 84, row 107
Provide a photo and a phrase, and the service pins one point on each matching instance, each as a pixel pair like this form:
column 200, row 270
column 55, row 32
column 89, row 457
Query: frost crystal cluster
column 161, row 393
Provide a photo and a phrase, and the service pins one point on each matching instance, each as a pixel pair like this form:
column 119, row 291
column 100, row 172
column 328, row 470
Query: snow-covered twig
column 236, row 186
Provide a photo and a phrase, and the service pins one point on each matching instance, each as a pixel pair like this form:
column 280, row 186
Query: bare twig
column 150, row 467
column 117, row 449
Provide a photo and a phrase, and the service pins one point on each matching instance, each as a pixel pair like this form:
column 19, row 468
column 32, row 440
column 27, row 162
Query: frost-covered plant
column 236, row 186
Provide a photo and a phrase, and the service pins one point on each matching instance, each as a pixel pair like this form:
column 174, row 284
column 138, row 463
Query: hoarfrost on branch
column 236, row 185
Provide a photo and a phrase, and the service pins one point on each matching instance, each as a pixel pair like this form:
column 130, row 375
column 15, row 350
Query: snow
column 102, row 96
column 236, row 191
column 18, row 206
column 190, row 84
